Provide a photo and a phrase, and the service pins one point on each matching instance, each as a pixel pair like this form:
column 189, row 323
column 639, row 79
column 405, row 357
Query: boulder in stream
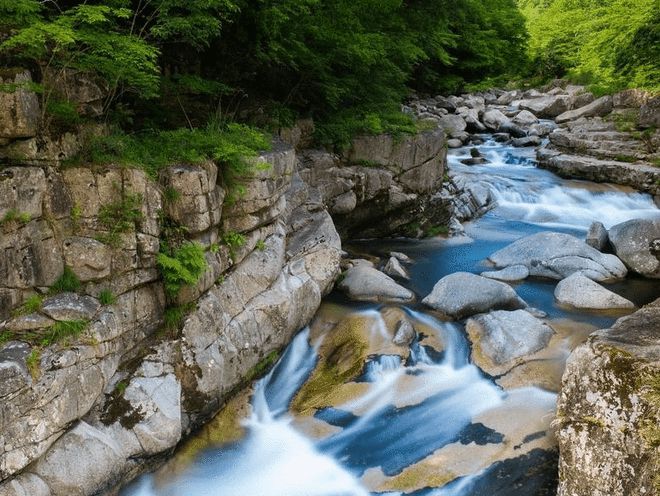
column 509, row 274
column 557, row 256
column 463, row 294
column 395, row 269
column 578, row 291
column 597, row 236
column 501, row 340
column 637, row 243
column 365, row 283
column 598, row 108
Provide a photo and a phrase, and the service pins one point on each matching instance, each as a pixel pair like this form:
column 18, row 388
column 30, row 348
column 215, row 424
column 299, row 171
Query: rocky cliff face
column 79, row 416
column 609, row 411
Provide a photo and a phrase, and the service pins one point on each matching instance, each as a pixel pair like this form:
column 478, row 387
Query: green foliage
column 339, row 129
column 33, row 363
column 31, row 305
column 62, row 113
column 106, row 297
column 232, row 146
column 14, row 216
column 181, row 266
column 120, row 217
column 436, row 231
column 174, row 316
column 233, row 240
column 63, row 331
column 612, row 44
column 67, row 282
column 261, row 245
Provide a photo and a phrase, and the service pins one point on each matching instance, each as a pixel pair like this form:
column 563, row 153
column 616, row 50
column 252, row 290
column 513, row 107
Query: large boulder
column 525, row 118
column 637, row 243
column 501, row 340
column 557, row 256
column 578, row 291
column 547, row 106
column 597, row 236
column 494, row 119
column 453, row 125
column 608, row 411
column 365, row 283
column 597, row 108
column 463, row 294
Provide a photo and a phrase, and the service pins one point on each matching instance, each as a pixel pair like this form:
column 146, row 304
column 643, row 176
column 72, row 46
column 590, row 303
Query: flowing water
column 422, row 419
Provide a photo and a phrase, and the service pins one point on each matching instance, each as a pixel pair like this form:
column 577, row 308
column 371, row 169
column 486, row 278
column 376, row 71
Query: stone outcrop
column 609, row 410
column 640, row 176
column 364, row 283
column 21, row 113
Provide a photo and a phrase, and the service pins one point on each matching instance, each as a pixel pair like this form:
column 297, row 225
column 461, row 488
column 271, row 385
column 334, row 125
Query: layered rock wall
column 79, row 416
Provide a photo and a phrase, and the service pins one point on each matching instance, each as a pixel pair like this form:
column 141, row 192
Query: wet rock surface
column 463, row 294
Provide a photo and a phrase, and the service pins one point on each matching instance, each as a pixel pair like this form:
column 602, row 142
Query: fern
column 183, row 267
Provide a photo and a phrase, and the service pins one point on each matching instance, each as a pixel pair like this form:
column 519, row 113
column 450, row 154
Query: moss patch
column 341, row 358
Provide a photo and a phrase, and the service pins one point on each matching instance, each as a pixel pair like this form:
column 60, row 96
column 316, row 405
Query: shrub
column 182, row 266
column 233, row 240
column 14, row 215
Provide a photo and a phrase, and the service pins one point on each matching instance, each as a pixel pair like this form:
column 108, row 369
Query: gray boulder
column 547, row 106
column 637, row 243
column 453, row 125
column 365, row 283
column 393, row 268
column 578, row 291
column 463, row 294
column 557, row 256
column 502, row 340
column 597, row 236
column 493, row 119
column 509, row 274
column 70, row 306
column 404, row 334
column 526, row 141
column 525, row 118
column 597, row 108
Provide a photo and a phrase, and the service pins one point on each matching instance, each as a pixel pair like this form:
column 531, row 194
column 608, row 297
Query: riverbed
column 420, row 419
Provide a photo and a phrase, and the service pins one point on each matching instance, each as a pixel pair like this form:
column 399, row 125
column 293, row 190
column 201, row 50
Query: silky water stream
column 345, row 412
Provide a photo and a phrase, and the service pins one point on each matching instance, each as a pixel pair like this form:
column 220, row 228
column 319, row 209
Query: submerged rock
column 608, row 411
column 463, row 294
column 365, row 283
column 578, row 291
column 557, row 256
column 637, row 243
column 501, row 340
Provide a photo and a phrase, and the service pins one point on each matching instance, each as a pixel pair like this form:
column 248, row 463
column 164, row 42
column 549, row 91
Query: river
column 423, row 420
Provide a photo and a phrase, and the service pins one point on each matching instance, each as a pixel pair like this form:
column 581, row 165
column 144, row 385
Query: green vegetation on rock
column 181, row 266
column 67, row 282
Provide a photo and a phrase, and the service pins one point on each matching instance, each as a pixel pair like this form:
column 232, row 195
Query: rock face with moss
column 609, row 410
